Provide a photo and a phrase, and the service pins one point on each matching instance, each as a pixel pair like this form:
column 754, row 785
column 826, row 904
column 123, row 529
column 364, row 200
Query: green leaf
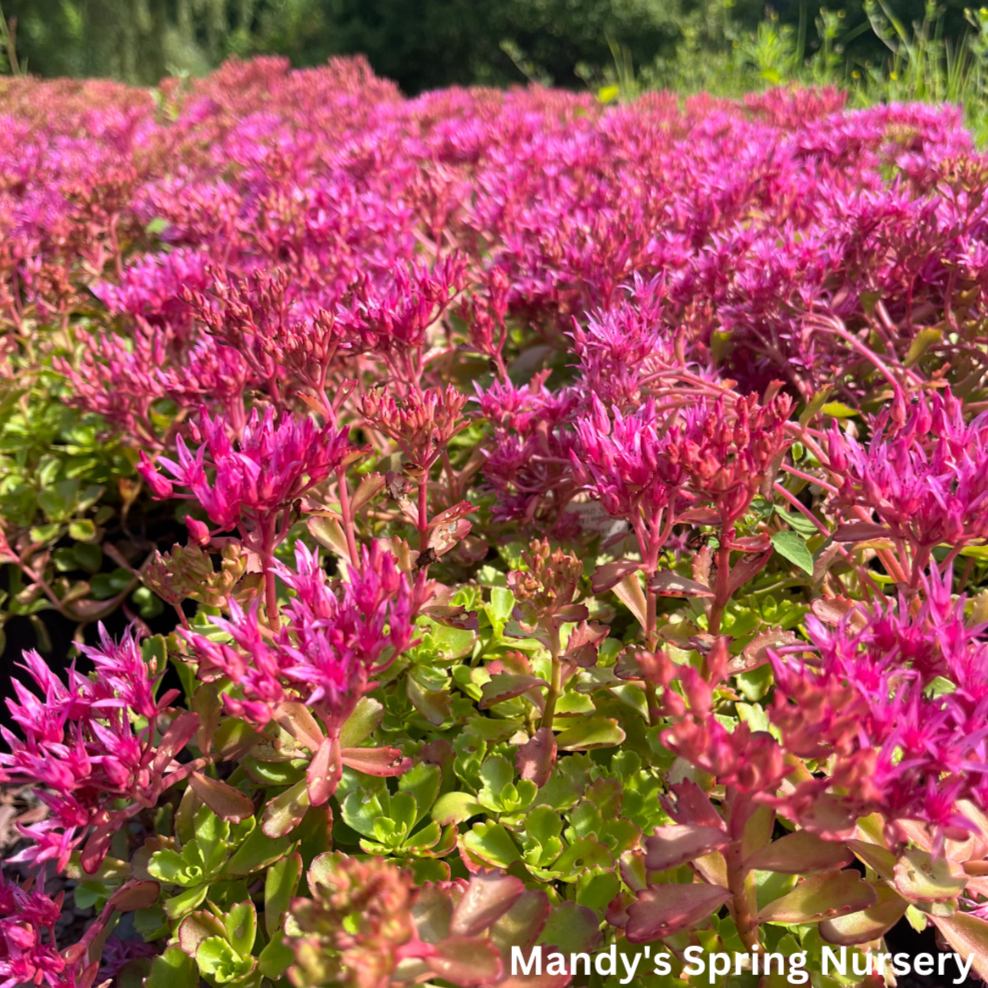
column 922, row 341
column 173, row 969
column 793, row 547
column 492, row 844
column 219, row 961
column 570, row 928
column 285, row 812
column 869, row 924
column 241, row 926
column 597, row 890
column 814, row 405
column 455, row 807
column 798, row 522
column 82, row 530
column 151, row 923
column 422, row 781
column 361, row 810
column 496, row 772
column 88, row 556
column 280, row 886
column 257, row 852
column 170, row 867
column 920, row 877
column 594, row 732
column 838, row 410
column 185, row 902
column 365, row 719
column 276, row 958
column 500, row 607
column 819, row 897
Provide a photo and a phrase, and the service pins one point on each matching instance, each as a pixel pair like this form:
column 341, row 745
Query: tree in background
column 426, row 44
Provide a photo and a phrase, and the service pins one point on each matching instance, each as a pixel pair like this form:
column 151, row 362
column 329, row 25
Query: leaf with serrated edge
column 824, row 896
column 676, row 844
column 869, row 924
column 920, row 877
column 799, row 853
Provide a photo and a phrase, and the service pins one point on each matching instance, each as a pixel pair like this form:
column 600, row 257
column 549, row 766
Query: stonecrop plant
column 492, row 526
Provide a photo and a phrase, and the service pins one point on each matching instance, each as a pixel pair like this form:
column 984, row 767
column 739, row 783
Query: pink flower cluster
column 82, row 750
column 333, row 643
column 899, row 694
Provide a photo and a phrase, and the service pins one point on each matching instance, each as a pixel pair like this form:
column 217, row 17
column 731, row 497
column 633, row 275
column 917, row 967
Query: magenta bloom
column 923, row 475
column 648, row 466
column 251, row 480
column 81, row 747
column 28, row 953
column 332, row 644
column 902, row 749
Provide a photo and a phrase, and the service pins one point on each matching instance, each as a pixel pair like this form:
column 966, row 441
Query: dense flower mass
column 571, row 517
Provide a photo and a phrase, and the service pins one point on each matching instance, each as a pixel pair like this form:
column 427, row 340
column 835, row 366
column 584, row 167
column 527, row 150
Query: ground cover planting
column 509, row 539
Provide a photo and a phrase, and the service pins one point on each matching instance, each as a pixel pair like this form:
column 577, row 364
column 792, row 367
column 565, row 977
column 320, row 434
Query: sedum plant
column 537, row 533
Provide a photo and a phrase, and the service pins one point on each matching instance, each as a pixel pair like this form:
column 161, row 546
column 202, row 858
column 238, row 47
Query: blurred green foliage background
column 424, row 44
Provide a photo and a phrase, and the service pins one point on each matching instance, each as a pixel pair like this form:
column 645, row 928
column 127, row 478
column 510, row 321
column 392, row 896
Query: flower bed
column 543, row 529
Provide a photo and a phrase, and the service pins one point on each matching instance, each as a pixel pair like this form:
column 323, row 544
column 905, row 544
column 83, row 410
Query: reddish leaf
column 537, row 756
column 523, row 923
column 830, row 610
column 800, row 853
column 132, row 896
column 504, row 686
column 324, row 772
column 96, row 847
column 582, row 646
column 662, row 910
column 860, row 531
column 747, row 569
column 968, row 935
column 489, row 896
column 678, row 843
column 700, row 516
column 466, row 961
column 452, row 514
column 753, row 543
column 443, row 537
column 178, row 735
column 670, row 584
column 296, row 719
column 376, row 761
column 611, row 574
column 755, row 653
column 225, row 801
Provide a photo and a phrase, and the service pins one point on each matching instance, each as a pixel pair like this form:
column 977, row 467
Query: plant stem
column 556, row 683
column 423, row 522
column 747, row 927
column 344, row 492
column 721, row 590
column 651, row 599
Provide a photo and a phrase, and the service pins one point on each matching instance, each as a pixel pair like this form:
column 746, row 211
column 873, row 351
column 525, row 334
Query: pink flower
column 81, row 746
column 332, row 644
column 251, row 480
